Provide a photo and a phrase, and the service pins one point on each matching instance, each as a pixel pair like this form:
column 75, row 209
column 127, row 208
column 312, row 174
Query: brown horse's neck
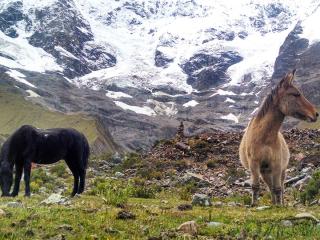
column 270, row 124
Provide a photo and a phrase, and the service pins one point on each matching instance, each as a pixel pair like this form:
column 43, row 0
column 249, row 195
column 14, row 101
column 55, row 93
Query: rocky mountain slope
column 139, row 67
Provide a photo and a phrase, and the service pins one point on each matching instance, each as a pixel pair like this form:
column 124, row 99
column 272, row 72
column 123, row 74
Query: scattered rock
column 301, row 183
column 111, row 230
column 233, row 204
column 294, row 179
column 188, row 228
column 65, row 227
column 217, row 204
column 185, row 207
column 308, row 216
column 116, row 158
column 123, row 214
column 182, row 146
column 29, row 233
column 14, row 204
column 2, row 213
column 119, row 175
column 286, row 223
column 261, row 208
column 195, row 178
column 54, row 199
column 215, row 224
column 201, row 200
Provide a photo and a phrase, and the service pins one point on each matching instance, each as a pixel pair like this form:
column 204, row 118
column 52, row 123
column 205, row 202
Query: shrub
column 140, row 189
column 149, row 174
column 143, row 192
column 115, row 192
column 211, row 163
column 186, row 192
column 131, row 160
column 59, row 169
column 312, row 188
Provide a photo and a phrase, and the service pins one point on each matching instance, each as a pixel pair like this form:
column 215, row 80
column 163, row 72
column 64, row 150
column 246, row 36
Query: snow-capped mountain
column 142, row 65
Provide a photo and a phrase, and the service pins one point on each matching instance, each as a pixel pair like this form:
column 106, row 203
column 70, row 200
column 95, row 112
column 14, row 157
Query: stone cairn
column 180, row 132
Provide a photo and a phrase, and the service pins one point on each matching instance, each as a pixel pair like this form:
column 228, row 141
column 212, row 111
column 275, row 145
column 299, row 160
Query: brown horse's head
column 291, row 101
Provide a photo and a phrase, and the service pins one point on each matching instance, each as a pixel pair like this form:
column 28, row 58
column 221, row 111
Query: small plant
column 131, row 160
column 211, row 163
column 59, row 169
column 115, row 192
column 140, row 189
column 149, row 174
column 185, row 193
column 312, row 189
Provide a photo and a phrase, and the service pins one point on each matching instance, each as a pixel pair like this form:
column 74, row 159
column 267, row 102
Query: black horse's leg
column 75, row 173
column 27, row 172
column 82, row 180
column 17, row 179
column 75, row 183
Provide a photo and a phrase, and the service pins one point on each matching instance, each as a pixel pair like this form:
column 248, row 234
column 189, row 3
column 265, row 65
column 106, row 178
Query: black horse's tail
column 86, row 152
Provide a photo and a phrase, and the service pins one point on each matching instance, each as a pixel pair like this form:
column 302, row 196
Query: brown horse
column 263, row 149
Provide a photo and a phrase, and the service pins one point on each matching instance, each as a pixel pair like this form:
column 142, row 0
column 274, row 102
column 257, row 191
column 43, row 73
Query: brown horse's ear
column 287, row 80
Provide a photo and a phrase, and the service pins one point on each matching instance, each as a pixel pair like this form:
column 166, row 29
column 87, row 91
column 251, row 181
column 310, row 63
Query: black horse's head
column 6, row 171
column 6, row 177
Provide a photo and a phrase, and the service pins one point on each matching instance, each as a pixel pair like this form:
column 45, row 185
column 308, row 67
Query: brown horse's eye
column 296, row 94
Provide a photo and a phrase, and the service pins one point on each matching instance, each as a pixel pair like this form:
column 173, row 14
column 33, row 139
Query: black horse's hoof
column 13, row 194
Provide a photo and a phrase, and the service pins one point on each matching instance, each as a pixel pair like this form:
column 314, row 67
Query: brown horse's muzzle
column 313, row 117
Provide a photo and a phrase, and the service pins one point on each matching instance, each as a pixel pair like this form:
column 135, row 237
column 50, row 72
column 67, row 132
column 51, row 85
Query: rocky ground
column 211, row 161
column 186, row 187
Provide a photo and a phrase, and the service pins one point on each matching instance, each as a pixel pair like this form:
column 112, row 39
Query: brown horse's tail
column 265, row 167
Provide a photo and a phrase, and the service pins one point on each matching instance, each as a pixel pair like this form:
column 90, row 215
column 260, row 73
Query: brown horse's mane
column 268, row 101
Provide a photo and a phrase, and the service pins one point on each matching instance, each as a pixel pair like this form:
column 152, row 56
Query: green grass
column 92, row 218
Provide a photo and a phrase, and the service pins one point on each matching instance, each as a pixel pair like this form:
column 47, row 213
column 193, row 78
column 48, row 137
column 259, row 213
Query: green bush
column 131, row 160
column 59, row 169
column 149, row 174
column 140, row 189
column 143, row 192
column 311, row 191
column 115, row 192
column 211, row 163
column 185, row 193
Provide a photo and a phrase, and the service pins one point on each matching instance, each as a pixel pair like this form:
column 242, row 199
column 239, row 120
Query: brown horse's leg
column 277, row 187
column 255, row 175
column 283, row 177
column 267, row 178
column 17, row 179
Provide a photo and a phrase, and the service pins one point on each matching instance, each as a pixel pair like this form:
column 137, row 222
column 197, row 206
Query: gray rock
column 201, row 200
column 116, row 158
column 2, row 213
column 217, row 204
column 286, row 223
column 188, row 228
column 119, row 175
column 307, row 215
column 215, row 224
column 65, row 227
column 261, row 208
column 197, row 178
column 14, row 204
column 54, row 199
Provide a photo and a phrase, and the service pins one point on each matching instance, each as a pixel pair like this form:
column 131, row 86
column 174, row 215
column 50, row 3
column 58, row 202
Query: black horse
column 29, row 144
